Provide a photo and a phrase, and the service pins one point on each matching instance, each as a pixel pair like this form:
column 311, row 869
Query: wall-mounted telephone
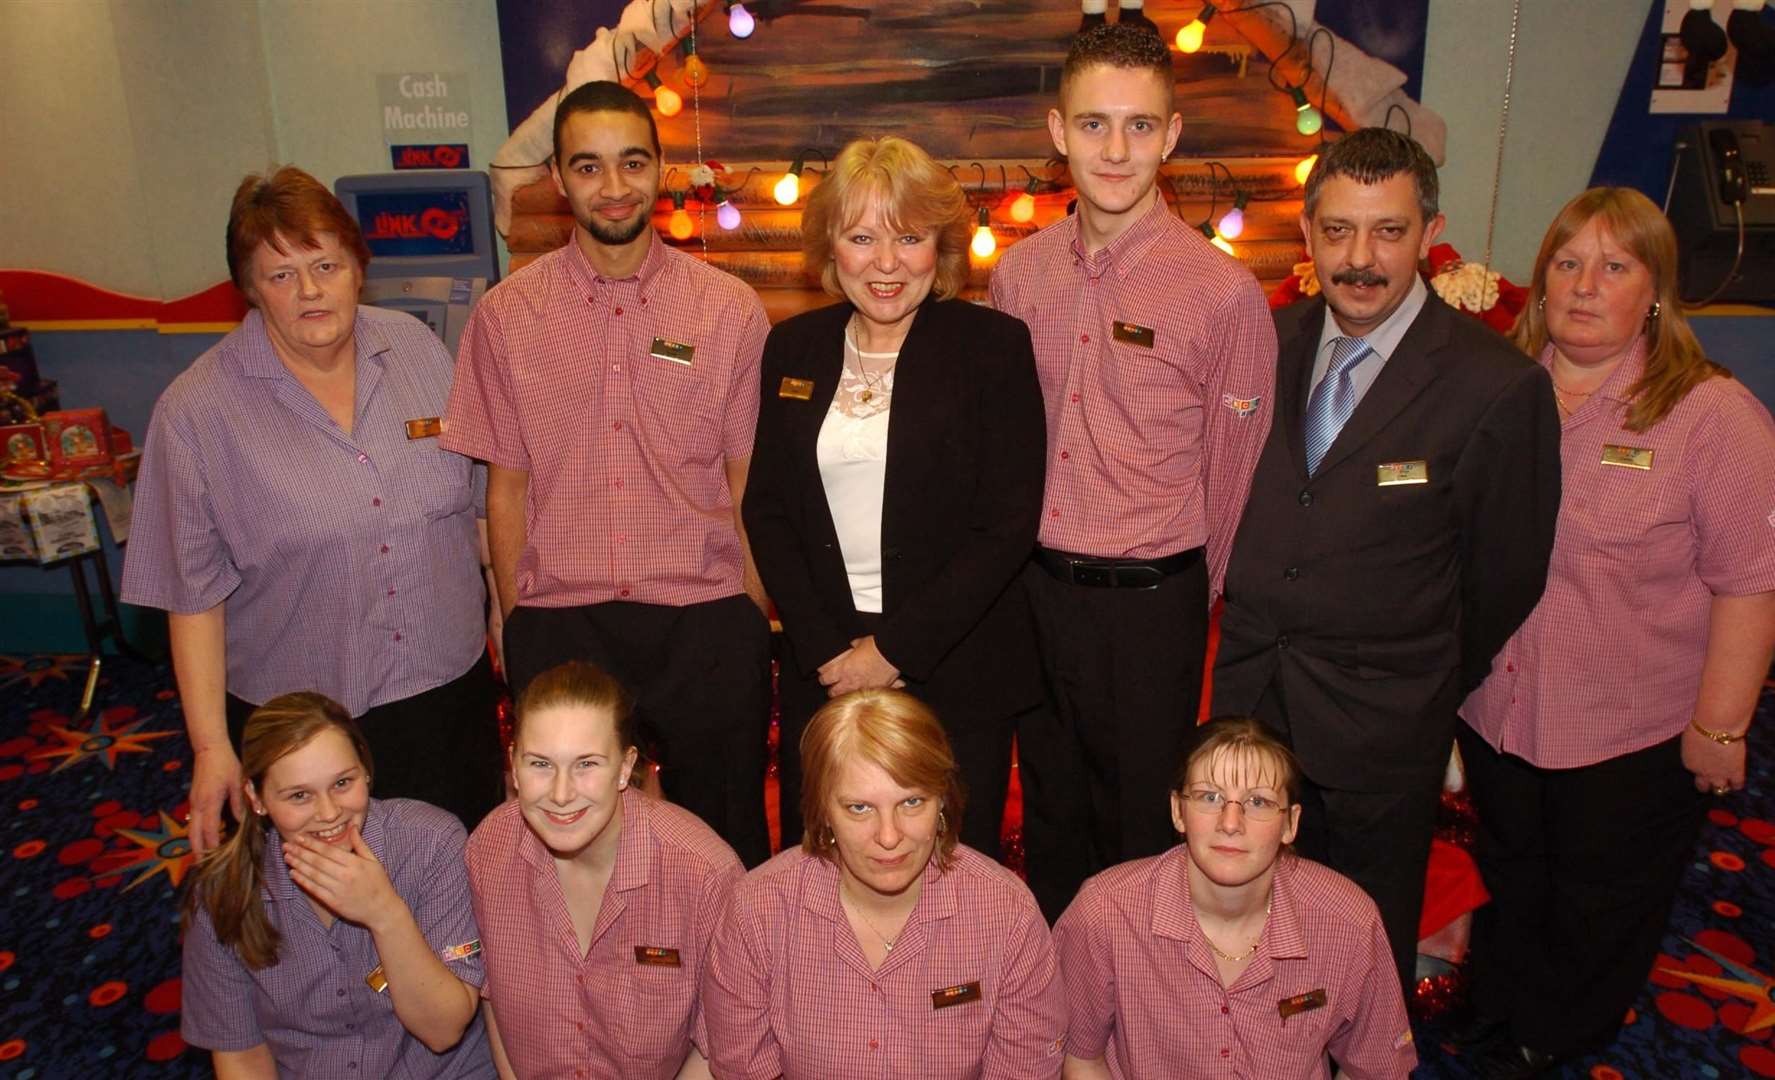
column 1722, row 204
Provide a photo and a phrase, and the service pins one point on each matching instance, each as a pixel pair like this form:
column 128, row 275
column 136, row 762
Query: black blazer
column 1374, row 609
column 967, row 446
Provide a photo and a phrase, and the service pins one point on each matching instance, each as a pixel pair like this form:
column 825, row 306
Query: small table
column 53, row 521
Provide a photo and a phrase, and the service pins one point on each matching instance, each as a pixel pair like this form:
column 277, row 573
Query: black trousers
column 440, row 746
column 979, row 736
column 1583, row 866
column 700, row 675
column 1124, row 672
column 1378, row 839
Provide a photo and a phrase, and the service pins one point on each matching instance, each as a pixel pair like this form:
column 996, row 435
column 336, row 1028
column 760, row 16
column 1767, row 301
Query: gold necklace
column 1248, row 953
column 871, row 382
column 887, row 943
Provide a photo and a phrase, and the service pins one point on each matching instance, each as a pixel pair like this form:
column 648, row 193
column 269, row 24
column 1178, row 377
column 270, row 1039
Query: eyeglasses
column 1208, row 801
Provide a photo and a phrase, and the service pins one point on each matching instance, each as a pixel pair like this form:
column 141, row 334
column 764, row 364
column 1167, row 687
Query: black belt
column 1100, row 573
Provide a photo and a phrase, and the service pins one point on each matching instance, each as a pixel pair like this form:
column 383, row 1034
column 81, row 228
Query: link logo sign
column 426, row 118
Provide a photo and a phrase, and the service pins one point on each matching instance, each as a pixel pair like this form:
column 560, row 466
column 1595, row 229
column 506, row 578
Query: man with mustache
column 1398, row 530
column 612, row 388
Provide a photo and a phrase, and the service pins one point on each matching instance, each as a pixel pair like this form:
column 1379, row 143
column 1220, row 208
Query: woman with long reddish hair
column 298, row 523
column 1624, row 700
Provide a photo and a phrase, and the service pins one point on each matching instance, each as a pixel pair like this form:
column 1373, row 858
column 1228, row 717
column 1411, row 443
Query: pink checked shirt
column 1610, row 660
column 623, row 400
column 789, row 993
column 1153, row 432
column 1142, row 987
column 620, row 1010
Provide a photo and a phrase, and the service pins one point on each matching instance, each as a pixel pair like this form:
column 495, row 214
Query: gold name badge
column 1627, row 457
column 1395, row 473
column 955, row 995
column 425, row 427
column 1300, row 1003
column 799, row 389
column 1132, row 334
column 676, row 351
column 376, row 980
column 656, row 956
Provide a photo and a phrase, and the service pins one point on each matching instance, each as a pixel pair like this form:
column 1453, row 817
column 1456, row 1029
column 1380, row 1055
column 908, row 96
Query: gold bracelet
column 1724, row 738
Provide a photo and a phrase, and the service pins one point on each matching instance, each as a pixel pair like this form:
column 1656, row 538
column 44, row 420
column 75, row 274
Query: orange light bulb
column 1305, row 168
column 1023, row 208
column 680, row 226
column 667, row 101
column 1189, row 38
column 696, row 73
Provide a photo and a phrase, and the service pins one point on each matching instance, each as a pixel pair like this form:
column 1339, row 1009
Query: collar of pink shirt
column 587, row 278
column 1621, row 380
column 1128, row 250
column 1174, row 915
column 634, row 855
column 936, row 898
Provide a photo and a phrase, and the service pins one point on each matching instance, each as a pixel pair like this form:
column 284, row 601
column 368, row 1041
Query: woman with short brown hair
column 881, row 946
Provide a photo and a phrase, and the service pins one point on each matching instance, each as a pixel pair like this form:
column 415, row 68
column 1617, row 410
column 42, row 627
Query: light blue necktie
column 1333, row 400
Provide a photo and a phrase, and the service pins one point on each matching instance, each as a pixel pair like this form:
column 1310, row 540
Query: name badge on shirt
column 462, row 951
column 799, row 389
column 1132, row 333
column 1628, row 457
column 955, row 995
column 426, row 427
column 676, row 351
column 656, row 956
column 1394, row 473
column 1300, row 1003
column 375, row 980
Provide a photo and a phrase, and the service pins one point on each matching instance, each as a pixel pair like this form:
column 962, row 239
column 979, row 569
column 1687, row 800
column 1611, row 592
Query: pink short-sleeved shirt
column 788, row 992
column 629, row 1007
column 1610, row 660
column 1143, row 991
column 1157, row 358
column 623, row 400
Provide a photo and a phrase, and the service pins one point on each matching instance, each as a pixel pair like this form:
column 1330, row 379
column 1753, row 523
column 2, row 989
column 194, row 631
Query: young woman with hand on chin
column 331, row 934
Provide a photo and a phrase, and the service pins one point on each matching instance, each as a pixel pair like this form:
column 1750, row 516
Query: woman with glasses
column 1229, row 955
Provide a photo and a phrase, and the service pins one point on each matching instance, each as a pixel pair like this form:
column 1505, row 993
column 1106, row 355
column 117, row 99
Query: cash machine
column 430, row 234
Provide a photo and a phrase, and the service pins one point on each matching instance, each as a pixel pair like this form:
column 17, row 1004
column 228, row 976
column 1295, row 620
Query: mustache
column 1353, row 276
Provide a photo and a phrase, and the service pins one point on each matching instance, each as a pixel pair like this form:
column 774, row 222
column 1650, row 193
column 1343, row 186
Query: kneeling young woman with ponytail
column 332, row 935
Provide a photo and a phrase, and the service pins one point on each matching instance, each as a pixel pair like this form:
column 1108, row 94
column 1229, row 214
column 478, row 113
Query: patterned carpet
column 92, row 853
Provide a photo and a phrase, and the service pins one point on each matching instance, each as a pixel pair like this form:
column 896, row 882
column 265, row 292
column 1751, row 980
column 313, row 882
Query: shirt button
column 1223, row 1010
column 1509, row 667
column 1086, row 338
column 624, row 593
column 350, row 1027
column 1282, row 642
column 1066, row 455
column 874, row 1044
column 616, row 367
column 1224, row 1052
column 351, row 1065
column 363, row 459
column 340, row 993
column 397, row 636
column 1291, row 573
column 391, row 592
column 581, row 1024
column 1053, row 513
column 618, row 311
column 375, row 502
column 1075, row 399
column 384, row 549
column 1305, row 498
column 617, row 426
column 619, row 483
column 622, row 538
column 644, row 301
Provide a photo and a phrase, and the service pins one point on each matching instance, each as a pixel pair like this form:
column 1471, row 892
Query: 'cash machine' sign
column 425, row 119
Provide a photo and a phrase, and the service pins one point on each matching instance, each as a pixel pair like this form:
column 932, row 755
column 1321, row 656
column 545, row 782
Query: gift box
column 24, row 452
column 121, row 443
column 77, row 438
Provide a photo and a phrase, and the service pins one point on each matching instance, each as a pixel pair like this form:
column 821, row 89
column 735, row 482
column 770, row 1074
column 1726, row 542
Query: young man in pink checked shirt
column 1157, row 356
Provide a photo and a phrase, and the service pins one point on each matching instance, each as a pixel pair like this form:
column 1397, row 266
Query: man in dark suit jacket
column 1398, row 529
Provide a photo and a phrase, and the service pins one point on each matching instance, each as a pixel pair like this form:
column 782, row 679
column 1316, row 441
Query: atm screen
column 416, row 223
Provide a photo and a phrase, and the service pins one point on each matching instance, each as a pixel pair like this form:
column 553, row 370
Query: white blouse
column 852, row 455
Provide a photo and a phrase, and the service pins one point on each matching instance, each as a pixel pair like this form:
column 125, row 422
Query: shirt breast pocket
column 440, row 481
column 955, row 1036
column 681, row 406
column 657, row 1003
column 1625, row 517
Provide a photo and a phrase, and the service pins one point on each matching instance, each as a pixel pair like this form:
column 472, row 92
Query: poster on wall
column 1683, row 86
column 426, row 118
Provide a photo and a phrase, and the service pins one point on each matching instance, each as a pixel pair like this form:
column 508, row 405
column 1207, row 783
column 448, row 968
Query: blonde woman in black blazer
column 901, row 406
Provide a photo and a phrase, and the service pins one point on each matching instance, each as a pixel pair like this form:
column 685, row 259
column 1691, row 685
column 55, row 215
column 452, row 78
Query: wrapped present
column 78, row 438
column 121, row 443
column 24, row 452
